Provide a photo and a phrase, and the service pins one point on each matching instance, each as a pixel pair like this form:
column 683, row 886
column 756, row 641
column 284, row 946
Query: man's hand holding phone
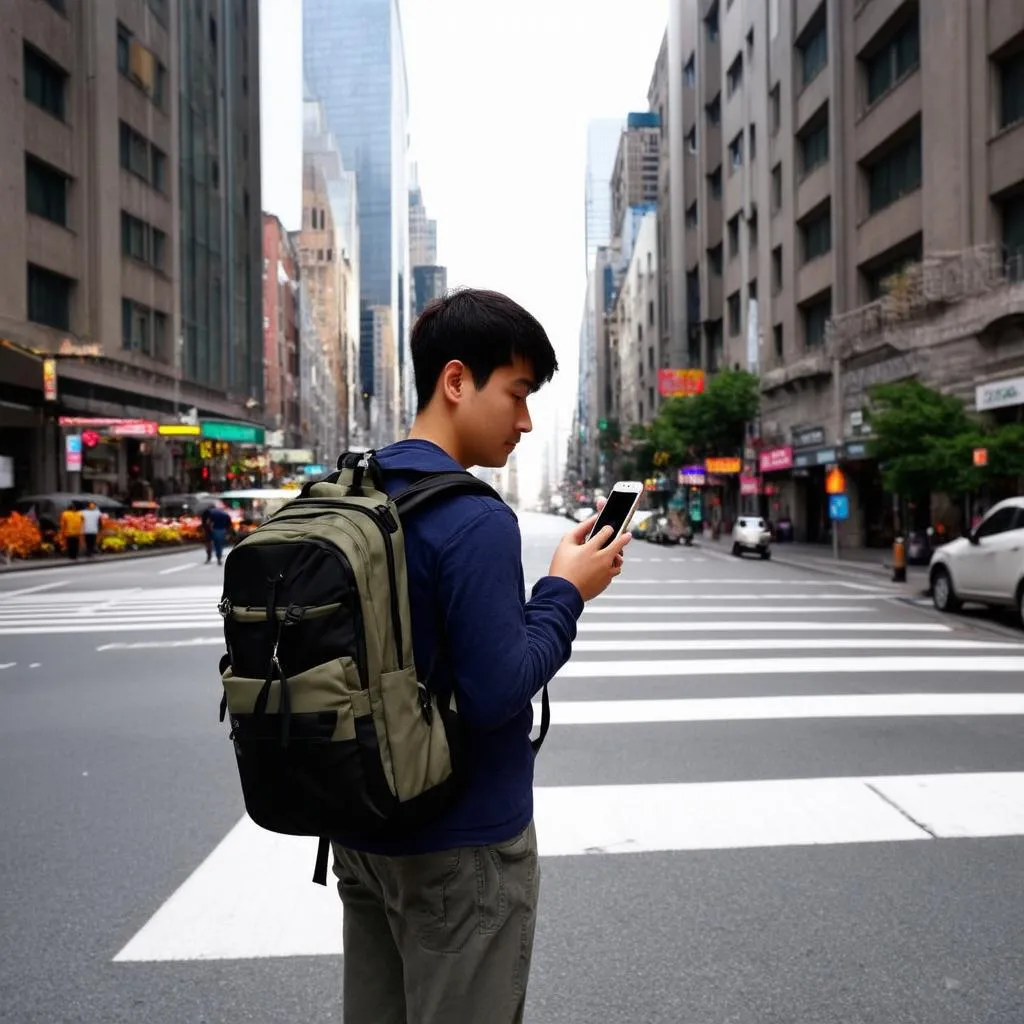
column 586, row 563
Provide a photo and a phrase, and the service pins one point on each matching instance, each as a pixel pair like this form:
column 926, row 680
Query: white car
column 751, row 534
column 986, row 566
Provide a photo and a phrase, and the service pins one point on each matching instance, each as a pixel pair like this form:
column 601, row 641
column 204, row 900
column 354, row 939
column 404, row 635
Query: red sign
column 835, row 482
column 773, row 459
column 749, row 485
column 673, row 383
column 134, row 428
column 93, row 421
column 981, row 456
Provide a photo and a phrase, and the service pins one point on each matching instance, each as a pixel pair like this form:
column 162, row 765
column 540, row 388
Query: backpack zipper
column 387, row 525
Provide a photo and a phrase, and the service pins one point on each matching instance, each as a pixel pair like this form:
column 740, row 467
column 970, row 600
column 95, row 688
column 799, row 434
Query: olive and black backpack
column 335, row 735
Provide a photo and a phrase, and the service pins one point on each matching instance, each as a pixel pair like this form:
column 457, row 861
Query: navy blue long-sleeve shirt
column 464, row 565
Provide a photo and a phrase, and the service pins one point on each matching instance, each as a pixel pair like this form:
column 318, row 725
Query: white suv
column 986, row 566
column 751, row 534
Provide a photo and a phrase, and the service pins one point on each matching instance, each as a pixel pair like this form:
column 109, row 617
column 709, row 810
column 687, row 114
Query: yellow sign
column 179, row 430
column 835, row 482
column 50, row 380
column 722, row 466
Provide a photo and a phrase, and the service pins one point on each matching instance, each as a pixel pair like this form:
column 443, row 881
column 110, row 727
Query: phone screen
column 614, row 513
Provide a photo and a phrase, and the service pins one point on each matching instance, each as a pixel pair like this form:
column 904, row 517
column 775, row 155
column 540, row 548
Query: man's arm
column 501, row 651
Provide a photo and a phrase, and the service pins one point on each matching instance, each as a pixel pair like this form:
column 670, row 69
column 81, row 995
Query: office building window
column 59, row 5
column 136, row 327
column 711, row 23
column 143, row 242
column 752, row 132
column 714, row 111
column 815, row 316
column 691, row 140
column 715, row 183
column 897, row 174
column 650, row 312
column 49, row 298
column 160, row 86
column 734, row 314
column 715, row 259
column 691, row 215
column 896, row 59
column 777, row 270
column 775, row 107
column 159, row 180
column 734, row 237
column 124, row 44
column 1011, row 90
column 752, row 290
column 814, row 148
column 817, row 235
column 736, row 153
column 1013, row 237
column 46, row 191
column 777, row 340
column 716, row 346
column 814, row 53
column 734, row 76
column 690, row 73
column 752, row 232
column 776, row 188
column 159, row 9
column 45, row 83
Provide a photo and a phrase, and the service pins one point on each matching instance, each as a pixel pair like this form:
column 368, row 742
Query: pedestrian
column 92, row 519
column 71, row 530
column 220, row 524
column 207, row 528
column 439, row 922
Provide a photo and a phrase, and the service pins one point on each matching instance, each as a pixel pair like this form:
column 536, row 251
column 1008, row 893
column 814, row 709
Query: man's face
column 494, row 417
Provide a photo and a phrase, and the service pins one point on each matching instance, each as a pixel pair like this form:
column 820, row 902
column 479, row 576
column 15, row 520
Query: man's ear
column 454, row 381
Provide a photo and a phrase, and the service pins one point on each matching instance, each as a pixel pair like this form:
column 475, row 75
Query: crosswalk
column 657, row 662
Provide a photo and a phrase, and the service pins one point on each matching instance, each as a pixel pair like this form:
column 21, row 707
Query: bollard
column 899, row 561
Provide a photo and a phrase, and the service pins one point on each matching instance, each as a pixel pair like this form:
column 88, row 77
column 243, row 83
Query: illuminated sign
column 772, row 459
column 673, row 383
column 134, row 428
column 50, row 380
column 727, row 466
column 178, row 430
column 835, row 482
column 73, row 453
column 239, row 433
column 691, row 476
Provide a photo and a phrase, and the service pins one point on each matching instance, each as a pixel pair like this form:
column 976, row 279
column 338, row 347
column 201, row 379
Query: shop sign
column 50, row 380
column 774, row 459
column 178, row 430
column 238, row 433
column 808, row 437
column 821, row 457
column 723, row 466
column 291, row 456
column 135, row 428
column 73, row 453
column 314, row 470
column 749, row 485
column 855, row 450
column 691, row 476
column 835, row 482
column 673, row 383
column 94, row 421
column 999, row 394
column 838, row 507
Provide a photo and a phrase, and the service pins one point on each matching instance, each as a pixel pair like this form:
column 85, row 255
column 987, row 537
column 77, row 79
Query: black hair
column 482, row 329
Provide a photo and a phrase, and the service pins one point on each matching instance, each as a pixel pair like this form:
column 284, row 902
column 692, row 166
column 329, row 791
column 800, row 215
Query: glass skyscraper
column 354, row 61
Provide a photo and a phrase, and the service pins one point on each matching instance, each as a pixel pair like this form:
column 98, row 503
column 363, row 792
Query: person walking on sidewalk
column 92, row 519
column 220, row 524
column 439, row 922
column 71, row 530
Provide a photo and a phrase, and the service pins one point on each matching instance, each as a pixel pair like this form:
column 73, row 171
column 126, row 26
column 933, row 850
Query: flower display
column 20, row 536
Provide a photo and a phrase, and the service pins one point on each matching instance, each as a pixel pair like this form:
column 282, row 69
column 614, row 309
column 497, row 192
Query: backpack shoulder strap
column 438, row 485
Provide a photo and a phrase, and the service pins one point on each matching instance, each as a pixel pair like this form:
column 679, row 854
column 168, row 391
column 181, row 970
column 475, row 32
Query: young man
column 439, row 926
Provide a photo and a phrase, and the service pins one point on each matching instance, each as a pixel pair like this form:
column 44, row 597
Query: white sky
column 500, row 95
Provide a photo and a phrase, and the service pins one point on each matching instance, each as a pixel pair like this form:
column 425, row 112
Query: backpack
column 335, row 736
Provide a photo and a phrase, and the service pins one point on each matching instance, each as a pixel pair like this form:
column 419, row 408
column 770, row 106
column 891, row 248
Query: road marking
column 4, row 594
column 752, row 595
column 753, row 709
column 578, row 669
column 825, row 643
column 151, row 645
column 620, row 609
column 177, row 568
column 736, row 626
column 282, row 914
column 104, row 626
column 7, row 664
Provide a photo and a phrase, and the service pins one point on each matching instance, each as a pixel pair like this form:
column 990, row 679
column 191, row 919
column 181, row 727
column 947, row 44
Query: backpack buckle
column 425, row 704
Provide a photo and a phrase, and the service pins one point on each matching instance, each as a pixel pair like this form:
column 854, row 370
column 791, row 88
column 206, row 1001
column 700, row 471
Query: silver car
column 751, row 534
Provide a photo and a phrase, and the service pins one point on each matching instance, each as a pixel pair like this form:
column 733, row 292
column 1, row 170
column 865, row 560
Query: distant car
column 986, row 566
column 583, row 513
column 751, row 534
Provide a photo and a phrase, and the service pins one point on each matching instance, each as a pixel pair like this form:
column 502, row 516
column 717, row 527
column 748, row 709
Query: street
column 768, row 796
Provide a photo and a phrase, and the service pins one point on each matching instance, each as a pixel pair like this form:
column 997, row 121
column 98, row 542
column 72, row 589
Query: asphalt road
column 769, row 796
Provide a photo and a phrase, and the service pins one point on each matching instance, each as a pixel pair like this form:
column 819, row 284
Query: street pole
column 838, row 399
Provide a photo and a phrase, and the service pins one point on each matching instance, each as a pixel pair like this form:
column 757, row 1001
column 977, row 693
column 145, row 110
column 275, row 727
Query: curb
column 66, row 563
column 847, row 569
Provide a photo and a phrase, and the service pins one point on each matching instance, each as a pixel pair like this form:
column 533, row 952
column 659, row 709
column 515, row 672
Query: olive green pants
column 439, row 938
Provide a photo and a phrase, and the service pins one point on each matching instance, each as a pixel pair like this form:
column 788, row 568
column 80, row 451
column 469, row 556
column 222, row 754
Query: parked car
column 47, row 508
column 751, row 533
column 986, row 566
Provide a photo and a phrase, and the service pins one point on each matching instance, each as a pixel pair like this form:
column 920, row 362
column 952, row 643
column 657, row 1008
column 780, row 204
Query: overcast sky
column 500, row 95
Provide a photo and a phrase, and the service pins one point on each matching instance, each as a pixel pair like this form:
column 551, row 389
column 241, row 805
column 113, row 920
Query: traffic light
column 602, row 424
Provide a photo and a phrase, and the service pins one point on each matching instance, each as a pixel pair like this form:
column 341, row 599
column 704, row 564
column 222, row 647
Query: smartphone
column 619, row 509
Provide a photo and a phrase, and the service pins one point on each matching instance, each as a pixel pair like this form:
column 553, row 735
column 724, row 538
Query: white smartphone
column 619, row 509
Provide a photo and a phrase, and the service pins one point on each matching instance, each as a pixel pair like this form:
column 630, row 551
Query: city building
column 281, row 343
column 635, row 175
column 354, row 59
column 429, row 282
column 329, row 248
column 422, row 229
column 318, row 395
column 111, row 216
column 844, row 208
column 602, row 146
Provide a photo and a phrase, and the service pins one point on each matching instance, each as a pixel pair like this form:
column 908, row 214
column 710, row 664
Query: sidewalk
column 59, row 562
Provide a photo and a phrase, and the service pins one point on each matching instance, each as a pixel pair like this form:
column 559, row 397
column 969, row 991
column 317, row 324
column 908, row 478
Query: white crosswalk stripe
column 853, row 655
